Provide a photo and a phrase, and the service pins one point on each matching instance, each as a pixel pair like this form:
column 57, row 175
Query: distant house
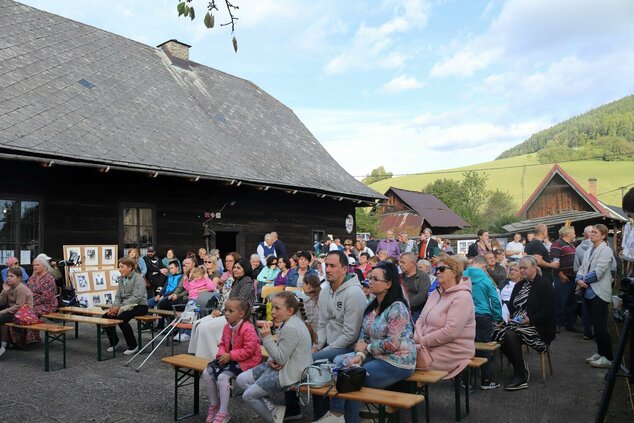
column 560, row 198
column 104, row 140
column 413, row 211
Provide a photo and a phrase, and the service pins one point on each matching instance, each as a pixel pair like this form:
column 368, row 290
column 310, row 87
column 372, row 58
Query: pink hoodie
column 194, row 286
column 446, row 326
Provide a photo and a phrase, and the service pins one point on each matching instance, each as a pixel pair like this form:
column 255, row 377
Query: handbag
column 423, row 357
column 350, row 379
column 26, row 316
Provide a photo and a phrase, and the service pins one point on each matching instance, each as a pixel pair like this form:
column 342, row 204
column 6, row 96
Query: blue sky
column 414, row 85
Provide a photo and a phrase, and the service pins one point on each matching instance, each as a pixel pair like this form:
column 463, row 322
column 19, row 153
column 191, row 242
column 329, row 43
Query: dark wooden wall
column 83, row 206
column 558, row 196
column 393, row 205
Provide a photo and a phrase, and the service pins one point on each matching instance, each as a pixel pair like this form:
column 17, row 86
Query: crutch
column 189, row 308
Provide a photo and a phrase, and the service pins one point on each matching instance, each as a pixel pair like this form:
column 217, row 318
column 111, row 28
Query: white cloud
column 375, row 46
column 402, row 83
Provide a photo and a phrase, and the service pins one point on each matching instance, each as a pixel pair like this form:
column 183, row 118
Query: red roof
column 556, row 169
column 430, row 208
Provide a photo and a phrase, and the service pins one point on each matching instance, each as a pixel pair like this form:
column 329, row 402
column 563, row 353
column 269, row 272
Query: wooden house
column 104, row 140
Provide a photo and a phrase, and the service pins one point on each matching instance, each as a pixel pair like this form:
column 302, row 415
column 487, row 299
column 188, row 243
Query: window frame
column 122, row 208
column 19, row 199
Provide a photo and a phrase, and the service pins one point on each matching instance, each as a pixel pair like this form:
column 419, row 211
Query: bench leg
column 456, row 382
column 47, row 366
column 48, row 340
column 76, row 330
column 181, row 379
column 467, row 389
column 426, row 394
column 413, row 390
column 139, row 328
column 99, row 354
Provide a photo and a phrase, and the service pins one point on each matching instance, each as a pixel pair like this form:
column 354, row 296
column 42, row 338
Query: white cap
column 42, row 257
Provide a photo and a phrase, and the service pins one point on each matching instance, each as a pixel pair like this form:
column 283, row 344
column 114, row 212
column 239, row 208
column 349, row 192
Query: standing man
column 515, row 248
column 427, row 246
column 265, row 249
column 156, row 273
column 417, row 283
column 372, row 244
column 537, row 249
column 390, row 245
column 405, row 244
column 280, row 248
column 341, row 307
column 563, row 251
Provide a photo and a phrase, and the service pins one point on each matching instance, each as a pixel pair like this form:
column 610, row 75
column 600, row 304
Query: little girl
column 199, row 283
column 287, row 358
column 238, row 351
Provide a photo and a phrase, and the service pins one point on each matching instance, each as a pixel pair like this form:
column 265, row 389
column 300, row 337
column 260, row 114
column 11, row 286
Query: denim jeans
column 566, row 302
column 380, row 374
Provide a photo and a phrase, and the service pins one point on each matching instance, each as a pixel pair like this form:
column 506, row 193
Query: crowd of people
column 390, row 306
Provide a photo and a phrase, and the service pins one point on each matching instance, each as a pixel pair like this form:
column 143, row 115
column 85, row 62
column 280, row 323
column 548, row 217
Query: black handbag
column 350, row 379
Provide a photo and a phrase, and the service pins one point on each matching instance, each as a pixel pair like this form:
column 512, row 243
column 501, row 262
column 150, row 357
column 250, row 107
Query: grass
column 519, row 176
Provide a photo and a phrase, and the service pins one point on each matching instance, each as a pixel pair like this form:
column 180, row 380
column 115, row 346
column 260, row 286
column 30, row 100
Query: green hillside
column 506, row 175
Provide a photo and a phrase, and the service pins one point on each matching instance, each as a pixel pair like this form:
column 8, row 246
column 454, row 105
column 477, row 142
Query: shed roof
column 434, row 211
column 558, row 219
column 73, row 92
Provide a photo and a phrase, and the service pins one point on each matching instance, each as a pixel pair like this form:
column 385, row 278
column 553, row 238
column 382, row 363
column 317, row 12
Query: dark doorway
column 226, row 242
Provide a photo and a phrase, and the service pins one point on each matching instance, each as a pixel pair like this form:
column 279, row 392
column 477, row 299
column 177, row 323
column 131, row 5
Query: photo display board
column 95, row 279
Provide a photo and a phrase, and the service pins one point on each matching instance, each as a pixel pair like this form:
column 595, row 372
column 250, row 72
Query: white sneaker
column 601, row 363
column 331, row 418
column 2, row 350
column 594, row 357
column 130, row 352
column 268, row 404
column 278, row 413
column 184, row 337
column 111, row 349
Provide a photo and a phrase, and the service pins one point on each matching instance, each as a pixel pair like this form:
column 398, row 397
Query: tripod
column 616, row 365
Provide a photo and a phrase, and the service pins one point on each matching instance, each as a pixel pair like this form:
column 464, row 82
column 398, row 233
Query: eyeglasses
column 348, row 245
column 274, row 264
column 441, row 269
column 375, row 279
column 208, row 262
column 514, row 269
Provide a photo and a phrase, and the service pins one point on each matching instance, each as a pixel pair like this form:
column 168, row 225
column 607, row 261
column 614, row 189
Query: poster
column 25, row 257
column 91, row 255
column 99, row 280
column 82, row 281
column 108, row 255
column 94, row 275
column 113, row 278
column 72, row 254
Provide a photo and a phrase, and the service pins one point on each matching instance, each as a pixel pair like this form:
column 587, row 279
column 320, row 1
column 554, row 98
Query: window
column 138, row 228
column 318, row 236
column 19, row 230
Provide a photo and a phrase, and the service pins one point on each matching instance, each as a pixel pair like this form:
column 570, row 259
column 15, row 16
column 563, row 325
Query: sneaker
column 222, row 418
column 489, row 384
column 601, row 363
column 211, row 413
column 278, row 413
column 331, row 418
column 181, row 337
column 517, row 383
column 593, row 357
column 111, row 348
column 131, row 351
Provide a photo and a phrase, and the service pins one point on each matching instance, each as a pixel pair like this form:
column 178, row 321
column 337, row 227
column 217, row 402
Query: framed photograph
column 96, row 300
column 108, row 297
column 92, row 256
column 99, row 281
column 82, row 282
column 72, row 254
column 113, row 278
column 463, row 246
column 108, row 255
column 84, row 300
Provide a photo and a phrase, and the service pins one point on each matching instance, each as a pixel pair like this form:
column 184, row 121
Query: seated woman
column 446, row 326
column 282, row 276
column 44, row 290
column 531, row 322
column 386, row 342
column 207, row 331
column 297, row 275
column 130, row 301
column 210, row 264
column 13, row 296
column 506, row 287
column 268, row 275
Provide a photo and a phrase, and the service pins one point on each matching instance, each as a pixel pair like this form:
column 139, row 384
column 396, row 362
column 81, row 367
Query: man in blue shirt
column 13, row 262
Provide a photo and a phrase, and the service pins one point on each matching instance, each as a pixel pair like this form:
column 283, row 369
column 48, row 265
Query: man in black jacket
column 156, row 272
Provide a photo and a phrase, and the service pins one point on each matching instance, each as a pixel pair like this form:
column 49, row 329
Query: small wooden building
column 413, row 211
column 104, row 140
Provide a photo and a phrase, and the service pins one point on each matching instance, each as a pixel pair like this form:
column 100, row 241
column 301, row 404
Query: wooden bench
column 186, row 367
column 162, row 313
column 419, row 382
column 52, row 333
column 379, row 397
column 140, row 321
column 98, row 321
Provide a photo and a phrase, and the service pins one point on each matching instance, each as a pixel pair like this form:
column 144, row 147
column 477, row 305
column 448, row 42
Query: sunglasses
column 208, row 262
column 274, row 264
column 441, row 269
column 375, row 279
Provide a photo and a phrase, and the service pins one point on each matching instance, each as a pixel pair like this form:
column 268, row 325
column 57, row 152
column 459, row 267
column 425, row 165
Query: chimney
column 178, row 52
column 592, row 186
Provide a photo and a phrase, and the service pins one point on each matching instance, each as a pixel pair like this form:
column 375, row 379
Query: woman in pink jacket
column 446, row 326
column 239, row 351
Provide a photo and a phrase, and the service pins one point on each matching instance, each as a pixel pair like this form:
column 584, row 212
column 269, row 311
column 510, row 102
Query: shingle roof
column 556, row 220
column 430, row 208
column 72, row 91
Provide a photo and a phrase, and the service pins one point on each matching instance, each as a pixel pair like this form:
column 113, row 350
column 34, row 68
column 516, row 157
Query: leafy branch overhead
column 185, row 9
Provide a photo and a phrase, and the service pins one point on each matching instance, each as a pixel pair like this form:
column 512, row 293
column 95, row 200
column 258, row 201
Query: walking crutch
column 189, row 310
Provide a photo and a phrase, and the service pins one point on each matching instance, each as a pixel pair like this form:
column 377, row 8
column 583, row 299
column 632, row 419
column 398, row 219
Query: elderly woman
column 595, row 278
column 531, row 320
column 207, row 331
column 506, row 287
column 130, row 301
column 42, row 285
column 385, row 347
column 13, row 296
column 446, row 326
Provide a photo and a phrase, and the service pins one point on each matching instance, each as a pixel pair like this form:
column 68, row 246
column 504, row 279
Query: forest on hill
column 605, row 133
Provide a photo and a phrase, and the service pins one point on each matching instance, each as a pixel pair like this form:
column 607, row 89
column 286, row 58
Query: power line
column 442, row 172
column 616, row 189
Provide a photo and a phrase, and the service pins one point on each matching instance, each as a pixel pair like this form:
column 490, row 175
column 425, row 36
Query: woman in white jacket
column 595, row 277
